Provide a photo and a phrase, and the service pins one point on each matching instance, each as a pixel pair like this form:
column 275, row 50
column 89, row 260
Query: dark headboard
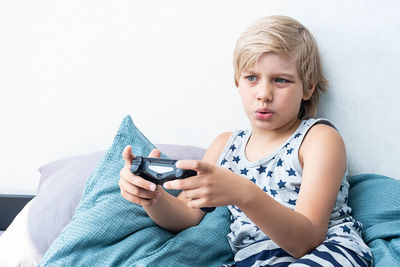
column 10, row 206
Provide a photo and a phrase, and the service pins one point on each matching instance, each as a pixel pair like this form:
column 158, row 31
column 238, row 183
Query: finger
column 199, row 203
column 193, row 193
column 140, row 201
column 197, row 165
column 127, row 155
column 184, row 184
column 129, row 177
column 155, row 153
column 137, row 191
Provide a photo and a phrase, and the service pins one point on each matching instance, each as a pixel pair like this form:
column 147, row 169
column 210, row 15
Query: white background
column 71, row 70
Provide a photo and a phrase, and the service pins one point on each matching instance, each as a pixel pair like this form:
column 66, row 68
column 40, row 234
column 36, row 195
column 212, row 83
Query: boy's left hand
column 212, row 187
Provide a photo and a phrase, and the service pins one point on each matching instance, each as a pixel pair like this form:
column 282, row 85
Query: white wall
column 71, row 70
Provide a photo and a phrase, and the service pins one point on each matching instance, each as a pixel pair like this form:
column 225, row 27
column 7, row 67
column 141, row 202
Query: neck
column 277, row 135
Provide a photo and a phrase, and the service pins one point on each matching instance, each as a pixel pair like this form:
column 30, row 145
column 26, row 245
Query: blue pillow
column 107, row 230
column 375, row 200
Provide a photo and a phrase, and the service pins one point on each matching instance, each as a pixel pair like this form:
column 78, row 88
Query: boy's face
column 271, row 92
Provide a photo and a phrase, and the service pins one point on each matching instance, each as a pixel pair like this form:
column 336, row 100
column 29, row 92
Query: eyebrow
column 277, row 74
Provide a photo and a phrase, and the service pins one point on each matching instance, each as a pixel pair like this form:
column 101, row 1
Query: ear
column 308, row 93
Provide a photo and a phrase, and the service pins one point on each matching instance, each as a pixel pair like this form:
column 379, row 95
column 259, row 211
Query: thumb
column 127, row 155
column 200, row 166
column 155, row 153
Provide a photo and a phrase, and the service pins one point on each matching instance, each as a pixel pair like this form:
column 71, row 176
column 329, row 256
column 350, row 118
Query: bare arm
column 300, row 230
column 296, row 231
column 172, row 213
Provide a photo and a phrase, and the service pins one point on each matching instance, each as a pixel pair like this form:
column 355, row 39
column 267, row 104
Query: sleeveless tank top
column 279, row 175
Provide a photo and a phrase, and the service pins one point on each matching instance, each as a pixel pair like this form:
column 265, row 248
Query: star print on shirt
column 236, row 208
column 265, row 189
column 297, row 135
column 250, row 237
column 297, row 189
column 253, row 180
column 291, row 172
column 273, row 192
column 289, row 151
column 224, row 161
column 281, row 184
column 233, row 147
column 345, row 229
column 286, row 145
column 244, row 222
column 280, row 162
column 241, row 134
column 270, row 173
column 244, row 171
column 356, row 225
column 261, row 169
column 236, row 159
column 292, row 202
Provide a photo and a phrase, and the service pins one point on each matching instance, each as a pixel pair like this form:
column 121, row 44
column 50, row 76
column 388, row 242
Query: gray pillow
column 59, row 191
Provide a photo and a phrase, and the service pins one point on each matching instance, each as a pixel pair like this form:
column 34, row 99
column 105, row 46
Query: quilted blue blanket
column 375, row 200
column 107, row 230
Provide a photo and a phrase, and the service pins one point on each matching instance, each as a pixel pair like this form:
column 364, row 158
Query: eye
column 251, row 78
column 280, row 80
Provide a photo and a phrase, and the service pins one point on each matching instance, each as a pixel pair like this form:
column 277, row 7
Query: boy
column 284, row 181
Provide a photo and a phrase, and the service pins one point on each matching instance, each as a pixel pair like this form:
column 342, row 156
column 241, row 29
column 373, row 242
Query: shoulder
column 216, row 147
column 322, row 141
column 322, row 133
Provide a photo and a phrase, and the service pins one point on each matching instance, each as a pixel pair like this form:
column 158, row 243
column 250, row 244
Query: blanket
column 107, row 230
column 375, row 200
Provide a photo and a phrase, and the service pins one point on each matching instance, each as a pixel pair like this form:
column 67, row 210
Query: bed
column 107, row 229
column 63, row 222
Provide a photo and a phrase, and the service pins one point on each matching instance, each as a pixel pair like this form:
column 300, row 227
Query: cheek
column 246, row 99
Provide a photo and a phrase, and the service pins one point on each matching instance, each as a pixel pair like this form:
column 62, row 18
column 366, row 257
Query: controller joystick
column 159, row 171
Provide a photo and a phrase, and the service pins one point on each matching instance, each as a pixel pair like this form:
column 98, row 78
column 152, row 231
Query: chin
column 262, row 125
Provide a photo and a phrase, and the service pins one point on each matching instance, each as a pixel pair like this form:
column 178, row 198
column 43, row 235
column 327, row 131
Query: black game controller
column 159, row 171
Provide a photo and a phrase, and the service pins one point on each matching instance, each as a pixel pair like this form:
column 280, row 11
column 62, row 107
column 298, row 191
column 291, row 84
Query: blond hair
column 287, row 37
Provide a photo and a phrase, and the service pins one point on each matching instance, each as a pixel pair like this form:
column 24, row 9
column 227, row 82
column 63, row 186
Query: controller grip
column 208, row 209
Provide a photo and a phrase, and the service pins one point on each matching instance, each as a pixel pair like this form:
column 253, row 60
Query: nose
column 264, row 92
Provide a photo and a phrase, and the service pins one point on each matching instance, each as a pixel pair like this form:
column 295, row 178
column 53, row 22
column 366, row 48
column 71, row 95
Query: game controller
column 159, row 171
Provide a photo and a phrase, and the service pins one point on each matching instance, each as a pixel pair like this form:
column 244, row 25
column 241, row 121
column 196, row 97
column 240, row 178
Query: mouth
column 264, row 113
column 263, row 110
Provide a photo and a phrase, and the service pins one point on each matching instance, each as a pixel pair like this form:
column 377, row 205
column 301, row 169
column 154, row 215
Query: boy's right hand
column 134, row 188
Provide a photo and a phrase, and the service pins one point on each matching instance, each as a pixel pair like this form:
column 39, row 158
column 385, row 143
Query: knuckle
column 185, row 194
column 132, row 199
column 135, row 190
column 207, row 192
column 135, row 179
column 181, row 182
column 122, row 172
column 196, row 164
column 208, row 182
